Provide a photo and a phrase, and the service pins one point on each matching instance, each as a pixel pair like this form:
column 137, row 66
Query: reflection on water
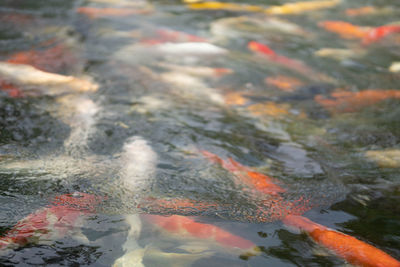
column 198, row 133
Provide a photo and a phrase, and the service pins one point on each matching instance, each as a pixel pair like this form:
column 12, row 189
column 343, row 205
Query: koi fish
column 191, row 49
column 27, row 75
column 251, row 27
column 269, row 109
column 197, row 70
column 55, row 221
column 344, row 29
column 97, row 12
column 292, row 64
column 170, row 36
column 54, row 59
column 284, row 83
column 339, row 54
column 225, row 6
column 186, row 226
column 301, row 7
column 365, row 10
column 255, row 180
column 378, row 33
column 347, row 247
column 395, row 67
column 10, row 89
column 385, row 158
column 343, row 101
column 235, row 98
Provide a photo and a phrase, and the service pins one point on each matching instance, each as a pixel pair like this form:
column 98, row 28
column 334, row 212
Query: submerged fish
column 62, row 217
column 347, row 247
column 340, row 54
column 197, row 70
column 255, row 180
column 172, row 36
column 47, row 82
column 183, row 226
column 53, row 59
column 345, row 29
column 345, row 101
column 395, row 67
column 301, row 7
column 252, row 27
column 367, row 10
column 288, row 63
column 385, row 158
column 97, row 12
column 378, row 33
column 225, row 6
column 284, row 83
column 191, row 48
column 10, row 89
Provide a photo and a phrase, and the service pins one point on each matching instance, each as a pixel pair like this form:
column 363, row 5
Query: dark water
column 332, row 158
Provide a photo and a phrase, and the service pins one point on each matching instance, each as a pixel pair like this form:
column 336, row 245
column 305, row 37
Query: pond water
column 188, row 133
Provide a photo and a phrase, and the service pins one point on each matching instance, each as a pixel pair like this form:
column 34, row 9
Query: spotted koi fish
column 55, row 221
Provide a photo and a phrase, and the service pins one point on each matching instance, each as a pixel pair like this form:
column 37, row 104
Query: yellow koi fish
column 225, row 6
column 301, row 7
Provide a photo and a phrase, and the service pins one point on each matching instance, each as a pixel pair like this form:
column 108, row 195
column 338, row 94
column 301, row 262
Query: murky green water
column 296, row 117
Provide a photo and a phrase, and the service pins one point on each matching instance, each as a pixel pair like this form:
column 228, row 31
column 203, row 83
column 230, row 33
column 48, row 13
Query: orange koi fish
column 186, row 226
column 301, row 7
column 365, row 10
column 168, row 36
column 255, row 180
column 347, row 247
column 52, row 222
column 343, row 101
column 282, row 60
column 97, row 12
column 53, row 59
column 225, row 6
column 284, row 83
column 344, row 29
column 378, row 33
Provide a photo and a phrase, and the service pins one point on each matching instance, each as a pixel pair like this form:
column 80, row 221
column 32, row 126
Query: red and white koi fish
column 289, row 63
column 347, row 247
column 187, row 227
column 53, row 59
column 255, row 180
column 55, row 221
column 10, row 89
column 378, row 33
column 367, row 35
